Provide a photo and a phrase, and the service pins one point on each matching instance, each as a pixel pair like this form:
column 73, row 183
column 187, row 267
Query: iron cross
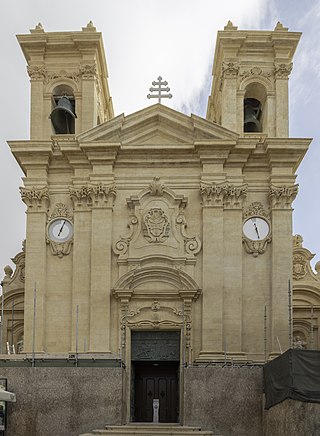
column 159, row 87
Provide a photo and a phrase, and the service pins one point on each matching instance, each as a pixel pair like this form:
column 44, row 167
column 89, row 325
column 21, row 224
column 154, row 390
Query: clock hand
column 61, row 228
column 256, row 229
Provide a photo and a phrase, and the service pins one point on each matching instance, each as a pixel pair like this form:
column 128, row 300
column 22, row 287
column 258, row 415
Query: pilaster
column 37, row 201
column 281, row 198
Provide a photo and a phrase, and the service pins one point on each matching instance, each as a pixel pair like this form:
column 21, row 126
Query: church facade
column 157, row 239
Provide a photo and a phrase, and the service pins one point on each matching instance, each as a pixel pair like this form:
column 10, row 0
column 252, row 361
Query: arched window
column 254, row 106
column 63, row 110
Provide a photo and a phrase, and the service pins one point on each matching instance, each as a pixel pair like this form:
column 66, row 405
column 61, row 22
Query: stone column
column 282, row 72
column 232, row 281
column 229, row 95
column 101, row 242
column 281, row 198
column 81, row 197
column 37, row 201
column 212, row 270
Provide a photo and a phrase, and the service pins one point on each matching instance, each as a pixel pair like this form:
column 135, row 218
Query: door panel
column 156, row 380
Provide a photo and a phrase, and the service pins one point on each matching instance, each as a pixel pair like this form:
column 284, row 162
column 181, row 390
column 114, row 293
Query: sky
column 144, row 39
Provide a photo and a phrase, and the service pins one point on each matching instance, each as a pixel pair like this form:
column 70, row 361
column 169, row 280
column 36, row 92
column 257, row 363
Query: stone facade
column 171, row 222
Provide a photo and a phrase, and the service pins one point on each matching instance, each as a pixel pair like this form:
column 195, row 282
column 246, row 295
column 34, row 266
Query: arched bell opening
column 63, row 112
column 254, row 106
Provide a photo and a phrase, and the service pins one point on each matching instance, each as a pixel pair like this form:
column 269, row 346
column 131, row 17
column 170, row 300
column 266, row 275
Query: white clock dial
column 256, row 228
column 60, row 230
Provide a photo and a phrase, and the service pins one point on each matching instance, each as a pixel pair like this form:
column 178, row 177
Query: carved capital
column 102, row 195
column 81, row 197
column 37, row 72
column 37, row 199
column 88, row 71
column 93, row 196
column 282, row 71
column 281, row 197
column 230, row 69
column 213, row 194
column 234, row 196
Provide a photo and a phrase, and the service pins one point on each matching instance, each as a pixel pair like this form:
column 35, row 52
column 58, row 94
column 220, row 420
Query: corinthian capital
column 37, row 199
column 37, row 72
column 282, row 71
column 281, row 197
column 103, row 195
column 235, row 195
column 213, row 193
column 230, row 69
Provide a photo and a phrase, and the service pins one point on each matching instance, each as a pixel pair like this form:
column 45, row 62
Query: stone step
column 149, row 430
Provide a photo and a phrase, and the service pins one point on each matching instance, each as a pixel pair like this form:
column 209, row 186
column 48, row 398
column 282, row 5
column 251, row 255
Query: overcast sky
column 145, row 38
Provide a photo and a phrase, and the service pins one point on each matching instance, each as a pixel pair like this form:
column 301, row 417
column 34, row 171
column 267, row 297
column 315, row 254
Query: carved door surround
column 169, row 308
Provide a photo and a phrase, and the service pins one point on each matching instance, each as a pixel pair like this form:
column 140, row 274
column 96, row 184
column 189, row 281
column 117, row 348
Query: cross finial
column 159, row 87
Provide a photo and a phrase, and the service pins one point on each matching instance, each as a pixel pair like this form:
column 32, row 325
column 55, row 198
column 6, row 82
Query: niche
column 254, row 107
column 63, row 110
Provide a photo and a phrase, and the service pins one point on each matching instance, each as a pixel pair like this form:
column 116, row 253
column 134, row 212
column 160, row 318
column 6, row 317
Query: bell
column 252, row 112
column 62, row 116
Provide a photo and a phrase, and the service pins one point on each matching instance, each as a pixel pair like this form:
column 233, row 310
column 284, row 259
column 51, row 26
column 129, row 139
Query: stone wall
column 226, row 400
column 62, row 401
column 292, row 418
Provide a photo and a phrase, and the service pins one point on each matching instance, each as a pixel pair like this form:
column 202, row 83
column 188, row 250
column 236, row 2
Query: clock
column 256, row 228
column 60, row 230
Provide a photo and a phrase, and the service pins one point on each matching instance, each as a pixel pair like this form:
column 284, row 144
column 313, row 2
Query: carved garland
column 39, row 72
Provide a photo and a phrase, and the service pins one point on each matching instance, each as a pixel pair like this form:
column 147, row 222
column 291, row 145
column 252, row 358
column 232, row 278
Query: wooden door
column 156, row 380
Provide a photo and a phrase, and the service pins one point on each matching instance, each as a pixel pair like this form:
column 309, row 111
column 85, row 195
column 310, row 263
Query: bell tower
column 68, row 75
column 250, row 80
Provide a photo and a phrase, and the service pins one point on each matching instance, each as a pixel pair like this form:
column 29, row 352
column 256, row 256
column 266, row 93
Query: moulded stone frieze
column 50, row 76
column 213, row 193
column 230, row 69
column 37, row 72
column 234, row 196
column 255, row 71
column 282, row 71
column 281, row 197
column 37, row 199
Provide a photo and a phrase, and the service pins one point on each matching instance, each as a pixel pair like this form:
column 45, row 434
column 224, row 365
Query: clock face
column 256, row 228
column 60, row 230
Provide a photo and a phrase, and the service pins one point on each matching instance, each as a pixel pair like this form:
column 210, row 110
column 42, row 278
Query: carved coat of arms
column 156, row 225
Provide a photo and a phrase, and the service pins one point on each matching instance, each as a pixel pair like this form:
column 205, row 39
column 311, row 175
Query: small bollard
column 155, row 405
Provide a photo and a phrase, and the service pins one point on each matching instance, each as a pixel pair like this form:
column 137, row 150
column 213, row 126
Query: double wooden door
column 156, row 380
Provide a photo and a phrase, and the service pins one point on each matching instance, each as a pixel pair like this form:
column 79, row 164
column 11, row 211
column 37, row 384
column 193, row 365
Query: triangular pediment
column 157, row 125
